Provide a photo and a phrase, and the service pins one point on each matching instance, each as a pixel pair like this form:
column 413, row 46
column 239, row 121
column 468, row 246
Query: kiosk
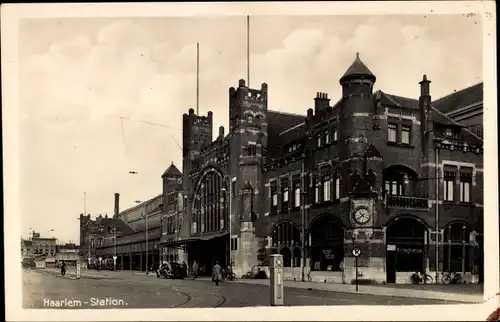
column 276, row 283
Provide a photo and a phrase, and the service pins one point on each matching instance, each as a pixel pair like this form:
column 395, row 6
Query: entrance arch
column 326, row 237
column 405, row 249
column 458, row 249
column 287, row 256
column 284, row 237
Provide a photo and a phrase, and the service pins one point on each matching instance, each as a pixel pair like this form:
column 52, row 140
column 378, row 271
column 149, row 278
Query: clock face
column 362, row 215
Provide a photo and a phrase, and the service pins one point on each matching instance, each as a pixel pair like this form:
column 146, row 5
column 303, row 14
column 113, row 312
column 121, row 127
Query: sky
column 102, row 97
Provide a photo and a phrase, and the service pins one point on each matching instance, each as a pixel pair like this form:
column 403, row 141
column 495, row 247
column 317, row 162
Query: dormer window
column 448, row 132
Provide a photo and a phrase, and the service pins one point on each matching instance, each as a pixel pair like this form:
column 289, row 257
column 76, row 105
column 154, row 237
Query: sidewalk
column 467, row 293
column 71, row 273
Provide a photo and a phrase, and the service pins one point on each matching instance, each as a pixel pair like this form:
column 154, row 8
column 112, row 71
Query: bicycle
column 228, row 274
column 417, row 278
column 451, row 278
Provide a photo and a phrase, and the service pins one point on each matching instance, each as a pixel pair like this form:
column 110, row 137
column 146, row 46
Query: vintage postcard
column 250, row 161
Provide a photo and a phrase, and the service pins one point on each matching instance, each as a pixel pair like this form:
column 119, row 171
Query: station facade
column 396, row 177
column 390, row 175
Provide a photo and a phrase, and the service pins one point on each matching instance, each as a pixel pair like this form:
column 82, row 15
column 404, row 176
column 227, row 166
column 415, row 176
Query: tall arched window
column 209, row 212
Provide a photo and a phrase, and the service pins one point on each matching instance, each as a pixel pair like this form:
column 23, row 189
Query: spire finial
column 357, row 55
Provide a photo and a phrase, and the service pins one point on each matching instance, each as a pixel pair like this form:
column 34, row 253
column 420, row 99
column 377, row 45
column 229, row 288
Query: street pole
column 146, row 239
column 303, row 219
column 114, row 247
column 437, row 216
column 161, row 235
column 230, row 225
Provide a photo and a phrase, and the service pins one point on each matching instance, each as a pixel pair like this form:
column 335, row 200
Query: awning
column 173, row 243
column 212, row 236
column 169, row 241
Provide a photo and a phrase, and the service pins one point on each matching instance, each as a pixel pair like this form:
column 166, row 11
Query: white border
column 11, row 14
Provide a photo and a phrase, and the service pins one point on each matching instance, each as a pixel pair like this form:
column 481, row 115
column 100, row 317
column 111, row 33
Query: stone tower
column 196, row 133
column 362, row 168
column 248, row 128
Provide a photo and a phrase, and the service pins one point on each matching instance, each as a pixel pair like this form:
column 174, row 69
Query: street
column 42, row 289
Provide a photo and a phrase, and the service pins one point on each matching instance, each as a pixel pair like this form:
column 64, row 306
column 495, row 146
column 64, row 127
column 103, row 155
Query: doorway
column 406, row 251
column 391, row 260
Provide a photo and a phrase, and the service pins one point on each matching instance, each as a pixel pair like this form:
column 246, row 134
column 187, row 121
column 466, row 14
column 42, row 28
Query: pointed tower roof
column 372, row 152
column 172, row 171
column 357, row 70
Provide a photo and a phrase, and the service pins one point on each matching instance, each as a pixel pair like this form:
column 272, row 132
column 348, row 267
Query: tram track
column 179, row 292
column 220, row 302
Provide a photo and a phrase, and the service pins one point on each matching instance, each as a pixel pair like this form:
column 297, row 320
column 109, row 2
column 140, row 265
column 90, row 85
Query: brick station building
column 399, row 178
column 393, row 176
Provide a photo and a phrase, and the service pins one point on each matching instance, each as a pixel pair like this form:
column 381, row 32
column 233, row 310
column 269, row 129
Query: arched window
column 327, row 185
column 285, row 234
column 284, row 237
column 457, row 248
column 209, row 211
column 326, row 137
column 318, row 140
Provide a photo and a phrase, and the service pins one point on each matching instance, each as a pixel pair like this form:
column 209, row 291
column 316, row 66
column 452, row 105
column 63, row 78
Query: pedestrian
column 194, row 269
column 63, row 268
column 217, row 273
column 184, row 269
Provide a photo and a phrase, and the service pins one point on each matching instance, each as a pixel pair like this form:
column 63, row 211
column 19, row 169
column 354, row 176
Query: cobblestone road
column 47, row 290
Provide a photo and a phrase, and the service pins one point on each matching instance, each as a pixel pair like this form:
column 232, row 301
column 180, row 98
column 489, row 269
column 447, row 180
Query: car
column 171, row 270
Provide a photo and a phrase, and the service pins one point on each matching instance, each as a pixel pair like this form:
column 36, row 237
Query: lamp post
column 114, row 248
column 229, row 196
column 145, row 216
column 436, row 219
column 303, row 218
column 161, row 234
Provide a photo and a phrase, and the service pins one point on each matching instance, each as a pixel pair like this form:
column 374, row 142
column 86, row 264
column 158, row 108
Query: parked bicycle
column 228, row 274
column 451, row 278
column 418, row 278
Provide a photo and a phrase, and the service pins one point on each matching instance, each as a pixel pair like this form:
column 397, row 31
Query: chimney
column 424, row 86
column 321, row 103
column 221, row 132
column 117, row 205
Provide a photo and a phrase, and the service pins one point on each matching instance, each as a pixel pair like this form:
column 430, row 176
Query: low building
column 38, row 246
column 69, row 253
column 134, row 246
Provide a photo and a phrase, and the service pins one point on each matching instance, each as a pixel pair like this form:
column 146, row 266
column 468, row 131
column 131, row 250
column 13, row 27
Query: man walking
column 63, row 268
column 217, row 273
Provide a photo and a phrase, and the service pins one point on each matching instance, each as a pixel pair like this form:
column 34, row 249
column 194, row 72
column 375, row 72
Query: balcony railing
column 406, row 202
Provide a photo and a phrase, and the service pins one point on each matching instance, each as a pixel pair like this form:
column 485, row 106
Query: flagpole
column 248, row 51
column 197, row 78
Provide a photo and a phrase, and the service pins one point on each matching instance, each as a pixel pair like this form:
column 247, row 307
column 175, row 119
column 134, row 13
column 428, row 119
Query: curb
column 419, row 294
column 58, row 274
